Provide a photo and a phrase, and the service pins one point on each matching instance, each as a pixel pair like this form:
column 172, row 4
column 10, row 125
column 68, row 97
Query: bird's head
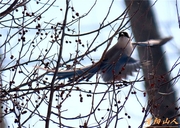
column 124, row 43
column 123, row 34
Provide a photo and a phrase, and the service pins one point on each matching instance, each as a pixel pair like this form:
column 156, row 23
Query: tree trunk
column 161, row 96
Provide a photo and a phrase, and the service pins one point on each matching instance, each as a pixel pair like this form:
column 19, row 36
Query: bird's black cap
column 123, row 34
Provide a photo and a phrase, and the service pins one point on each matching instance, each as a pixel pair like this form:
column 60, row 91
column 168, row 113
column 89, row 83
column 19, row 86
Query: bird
column 116, row 63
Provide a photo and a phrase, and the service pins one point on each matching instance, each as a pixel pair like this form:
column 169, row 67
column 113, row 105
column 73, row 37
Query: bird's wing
column 152, row 42
column 122, row 67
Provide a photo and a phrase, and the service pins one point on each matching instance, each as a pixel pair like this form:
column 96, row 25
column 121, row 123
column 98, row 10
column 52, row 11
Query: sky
column 167, row 20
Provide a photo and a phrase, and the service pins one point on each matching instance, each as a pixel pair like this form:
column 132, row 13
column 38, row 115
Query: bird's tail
column 77, row 74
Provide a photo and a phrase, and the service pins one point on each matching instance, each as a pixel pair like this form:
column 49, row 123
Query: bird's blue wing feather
column 123, row 66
